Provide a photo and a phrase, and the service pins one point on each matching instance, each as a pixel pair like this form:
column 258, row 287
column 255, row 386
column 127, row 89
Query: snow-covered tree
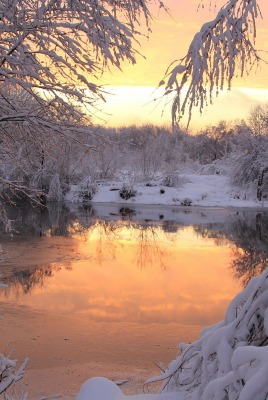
column 57, row 49
column 223, row 49
column 54, row 52
column 249, row 164
column 86, row 189
column 55, row 190
column 258, row 120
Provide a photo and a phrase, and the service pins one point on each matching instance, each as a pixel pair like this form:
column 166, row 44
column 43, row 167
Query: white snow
column 200, row 190
column 98, row 388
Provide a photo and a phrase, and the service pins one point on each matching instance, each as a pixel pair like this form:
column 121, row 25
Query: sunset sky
column 134, row 88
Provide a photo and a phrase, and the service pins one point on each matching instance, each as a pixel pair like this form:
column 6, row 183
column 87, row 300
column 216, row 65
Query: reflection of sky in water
column 112, row 301
column 125, row 274
column 119, row 297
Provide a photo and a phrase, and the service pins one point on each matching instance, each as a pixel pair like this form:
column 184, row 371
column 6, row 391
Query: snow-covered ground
column 194, row 190
column 99, row 388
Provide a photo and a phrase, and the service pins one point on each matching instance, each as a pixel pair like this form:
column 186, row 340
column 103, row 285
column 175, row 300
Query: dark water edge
column 58, row 218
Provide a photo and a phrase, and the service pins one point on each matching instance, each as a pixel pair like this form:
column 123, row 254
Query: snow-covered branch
column 223, row 49
column 8, row 372
column 61, row 47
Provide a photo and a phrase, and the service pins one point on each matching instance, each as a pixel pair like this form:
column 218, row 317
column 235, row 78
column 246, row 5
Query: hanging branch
column 223, row 49
column 61, row 47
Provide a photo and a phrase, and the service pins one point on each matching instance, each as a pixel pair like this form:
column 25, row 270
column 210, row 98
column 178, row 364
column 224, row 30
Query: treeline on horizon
column 136, row 154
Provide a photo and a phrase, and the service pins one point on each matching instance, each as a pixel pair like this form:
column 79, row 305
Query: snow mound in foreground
column 103, row 389
column 229, row 361
column 99, row 389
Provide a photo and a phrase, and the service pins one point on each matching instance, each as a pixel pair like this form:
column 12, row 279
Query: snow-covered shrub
column 210, row 169
column 186, row 202
column 174, row 180
column 8, row 372
column 55, row 190
column 171, row 181
column 248, row 163
column 127, row 191
column 230, row 359
column 86, row 189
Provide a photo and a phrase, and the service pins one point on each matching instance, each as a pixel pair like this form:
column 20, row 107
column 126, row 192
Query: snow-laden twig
column 8, row 372
column 222, row 49
column 60, row 47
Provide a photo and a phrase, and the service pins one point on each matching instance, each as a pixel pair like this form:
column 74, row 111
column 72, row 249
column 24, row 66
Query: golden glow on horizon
column 129, row 105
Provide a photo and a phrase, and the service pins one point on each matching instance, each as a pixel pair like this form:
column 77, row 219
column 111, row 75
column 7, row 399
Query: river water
column 112, row 291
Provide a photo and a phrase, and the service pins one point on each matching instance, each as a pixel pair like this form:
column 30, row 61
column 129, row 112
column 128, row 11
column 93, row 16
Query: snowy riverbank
column 194, row 191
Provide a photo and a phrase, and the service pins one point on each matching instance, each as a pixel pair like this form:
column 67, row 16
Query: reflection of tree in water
column 55, row 219
column 149, row 250
column 211, row 231
column 169, row 226
column 106, row 235
column 25, row 280
column 109, row 235
column 126, row 213
column 251, row 251
column 248, row 232
column 250, row 263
